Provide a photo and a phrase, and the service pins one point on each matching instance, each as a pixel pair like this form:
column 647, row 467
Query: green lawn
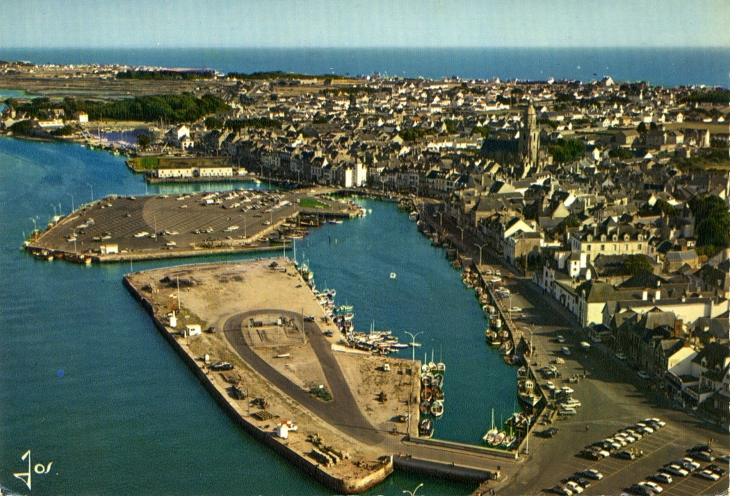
column 312, row 203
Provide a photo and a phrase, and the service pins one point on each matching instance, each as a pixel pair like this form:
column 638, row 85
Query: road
column 342, row 412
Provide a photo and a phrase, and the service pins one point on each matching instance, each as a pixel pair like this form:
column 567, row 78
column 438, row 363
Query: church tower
column 529, row 140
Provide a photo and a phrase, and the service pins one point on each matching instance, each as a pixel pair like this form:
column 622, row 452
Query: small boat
column 499, row 438
column 437, row 408
column 527, row 394
column 437, row 381
column 505, row 348
column 392, row 275
column 413, row 344
column 425, row 428
column 493, row 338
column 441, row 367
column 427, row 394
column 490, row 435
column 425, row 407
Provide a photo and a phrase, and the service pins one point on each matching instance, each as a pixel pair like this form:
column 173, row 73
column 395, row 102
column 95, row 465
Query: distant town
column 611, row 198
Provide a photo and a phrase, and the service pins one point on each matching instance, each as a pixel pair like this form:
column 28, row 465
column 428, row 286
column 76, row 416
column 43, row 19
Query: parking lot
column 612, row 397
column 177, row 223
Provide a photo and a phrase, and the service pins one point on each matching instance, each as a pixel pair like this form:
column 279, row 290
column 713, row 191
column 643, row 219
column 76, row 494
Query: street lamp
column 413, row 343
column 480, row 252
column 441, row 218
column 527, row 437
column 92, row 191
column 462, row 233
column 413, row 493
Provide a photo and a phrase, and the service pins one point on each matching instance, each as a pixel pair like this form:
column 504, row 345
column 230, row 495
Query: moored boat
column 437, row 408
column 425, row 428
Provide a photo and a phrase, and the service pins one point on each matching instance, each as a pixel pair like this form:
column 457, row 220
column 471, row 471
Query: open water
column 658, row 66
column 95, row 393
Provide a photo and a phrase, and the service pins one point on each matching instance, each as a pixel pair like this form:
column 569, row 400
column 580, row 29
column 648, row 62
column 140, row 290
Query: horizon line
column 366, row 47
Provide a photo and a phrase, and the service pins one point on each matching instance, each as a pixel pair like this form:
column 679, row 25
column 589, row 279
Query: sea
column 92, row 398
column 657, row 66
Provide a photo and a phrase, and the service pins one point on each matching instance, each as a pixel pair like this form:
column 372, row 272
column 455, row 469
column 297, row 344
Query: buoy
column 392, row 275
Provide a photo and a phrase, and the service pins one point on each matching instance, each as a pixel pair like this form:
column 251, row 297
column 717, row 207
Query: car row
column 576, row 483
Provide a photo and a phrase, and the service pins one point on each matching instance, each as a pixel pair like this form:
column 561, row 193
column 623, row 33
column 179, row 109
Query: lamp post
column 527, row 437
column 413, row 493
column 413, row 343
column 462, row 233
column 92, row 191
column 441, row 218
column 480, row 252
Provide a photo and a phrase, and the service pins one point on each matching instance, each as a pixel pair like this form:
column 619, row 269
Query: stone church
column 521, row 155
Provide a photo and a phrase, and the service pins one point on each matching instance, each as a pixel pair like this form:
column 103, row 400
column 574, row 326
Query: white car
column 590, row 473
column 709, row 475
column 574, row 487
column 689, row 461
column 560, row 339
column 653, row 486
column 549, row 385
column 572, row 403
column 643, row 374
column 565, row 350
column 675, row 469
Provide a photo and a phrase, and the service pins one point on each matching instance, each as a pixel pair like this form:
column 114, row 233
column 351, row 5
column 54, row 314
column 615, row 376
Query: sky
column 364, row 23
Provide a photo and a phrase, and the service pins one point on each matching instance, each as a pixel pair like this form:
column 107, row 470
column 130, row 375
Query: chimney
column 677, row 331
column 645, row 294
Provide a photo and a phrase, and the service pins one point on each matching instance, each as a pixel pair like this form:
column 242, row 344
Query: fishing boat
column 437, row 381
column 493, row 338
column 437, row 408
column 499, row 438
column 505, row 348
column 425, row 428
column 426, row 380
column 425, row 407
column 527, row 393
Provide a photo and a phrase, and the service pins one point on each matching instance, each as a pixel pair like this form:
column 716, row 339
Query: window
column 639, row 247
column 627, row 247
column 603, row 247
column 615, row 247
column 588, row 247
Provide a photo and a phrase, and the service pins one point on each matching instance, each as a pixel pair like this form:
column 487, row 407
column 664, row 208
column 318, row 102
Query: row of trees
column 169, row 108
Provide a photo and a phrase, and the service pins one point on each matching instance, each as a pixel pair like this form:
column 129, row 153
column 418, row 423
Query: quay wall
column 345, row 485
column 447, row 471
column 511, row 454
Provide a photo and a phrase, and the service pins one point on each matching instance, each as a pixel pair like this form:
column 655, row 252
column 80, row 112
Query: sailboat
column 491, row 433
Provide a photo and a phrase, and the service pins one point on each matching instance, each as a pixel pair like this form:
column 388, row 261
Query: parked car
column 621, row 356
column 656, row 488
column 662, row 477
column 689, row 464
column 582, row 482
column 717, row 469
column 700, row 447
column 222, row 366
column 590, row 473
column 640, row 490
column 708, row 474
column 625, row 455
column 674, row 469
column 559, row 489
column 643, row 374
column 565, row 350
column 702, row 456
column 574, row 487
column 548, row 433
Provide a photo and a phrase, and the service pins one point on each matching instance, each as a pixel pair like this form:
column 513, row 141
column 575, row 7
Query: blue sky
column 364, row 23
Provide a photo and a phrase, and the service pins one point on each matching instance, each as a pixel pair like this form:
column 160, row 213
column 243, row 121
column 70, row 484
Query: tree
column 712, row 224
column 565, row 151
column 213, row 123
column 143, row 141
column 641, row 127
column 636, row 263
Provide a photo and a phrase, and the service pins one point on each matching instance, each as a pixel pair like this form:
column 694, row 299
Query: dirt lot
column 212, row 294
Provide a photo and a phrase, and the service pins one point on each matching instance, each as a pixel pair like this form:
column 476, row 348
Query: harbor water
column 104, row 406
